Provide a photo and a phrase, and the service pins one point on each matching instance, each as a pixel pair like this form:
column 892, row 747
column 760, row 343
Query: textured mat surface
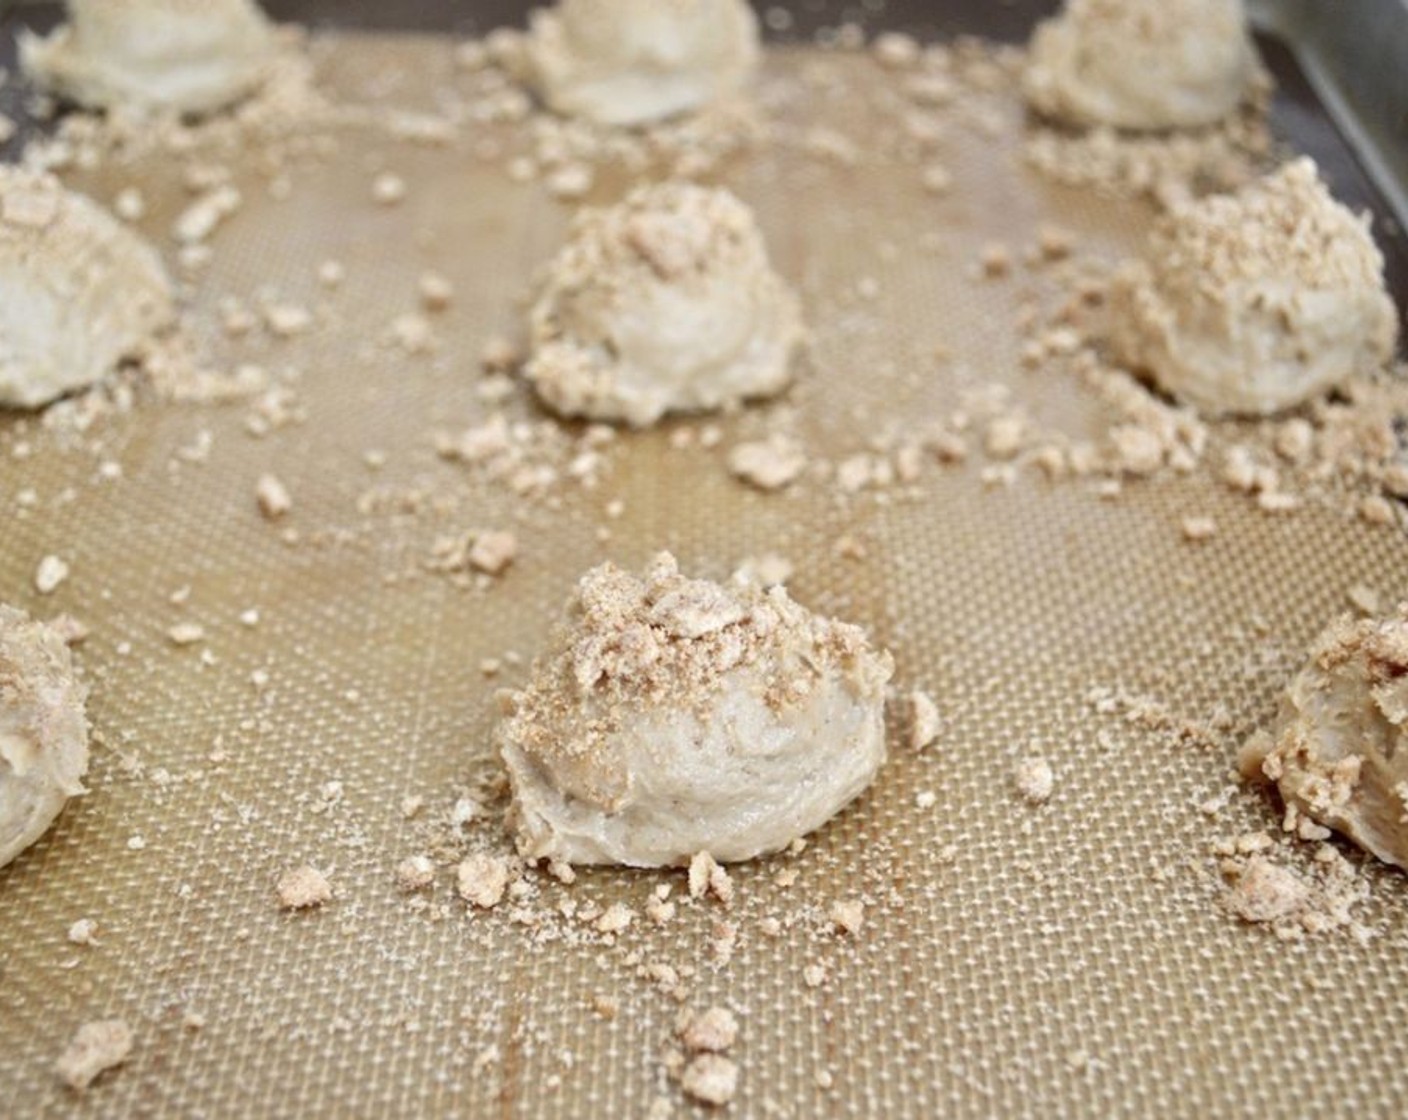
column 1067, row 959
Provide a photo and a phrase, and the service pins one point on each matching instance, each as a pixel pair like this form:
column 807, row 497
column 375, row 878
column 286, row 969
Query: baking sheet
column 1067, row 959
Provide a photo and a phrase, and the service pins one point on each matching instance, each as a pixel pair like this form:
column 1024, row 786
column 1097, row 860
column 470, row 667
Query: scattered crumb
column 482, row 880
column 710, row 1078
column 436, row 292
column 303, row 888
column 1034, row 779
column 1267, row 892
column 83, row 932
column 714, row 1030
column 769, row 464
column 706, row 877
column 96, row 1047
column 273, row 497
column 493, row 551
column 186, row 633
column 848, row 916
column 924, row 721
column 1197, row 528
column 1364, row 599
column 388, row 189
column 51, row 572
column 415, row 873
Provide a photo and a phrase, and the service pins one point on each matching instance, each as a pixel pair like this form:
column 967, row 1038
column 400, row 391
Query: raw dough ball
column 81, row 291
column 191, row 56
column 1140, row 64
column 629, row 62
column 664, row 303
column 1339, row 748
column 673, row 716
column 1254, row 302
column 43, row 731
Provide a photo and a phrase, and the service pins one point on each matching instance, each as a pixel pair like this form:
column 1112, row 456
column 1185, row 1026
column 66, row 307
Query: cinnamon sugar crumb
column 96, row 1047
column 1198, row 528
column 713, row 1030
column 273, row 497
column 1034, row 779
column 303, row 888
column 924, row 721
column 482, row 880
column 769, row 464
column 848, row 916
column 706, row 877
column 493, row 551
column 710, row 1078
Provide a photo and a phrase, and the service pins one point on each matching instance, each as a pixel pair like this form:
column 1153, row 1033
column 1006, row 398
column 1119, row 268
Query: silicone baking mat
column 1071, row 958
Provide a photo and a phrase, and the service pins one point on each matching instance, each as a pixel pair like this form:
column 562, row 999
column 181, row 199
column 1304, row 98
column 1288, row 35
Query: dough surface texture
column 673, row 716
column 81, row 291
column 43, row 731
column 1338, row 751
column 632, row 62
column 1254, row 302
column 187, row 56
column 664, row 303
column 1140, row 64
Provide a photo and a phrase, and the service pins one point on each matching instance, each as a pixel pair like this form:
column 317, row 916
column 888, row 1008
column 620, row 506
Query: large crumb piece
column 303, row 888
column 713, row 1030
column 482, row 879
column 1267, row 892
column 1255, row 301
column 768, row 464
column 1338, row 752
column 493, row 551
column 273, row 497
column 924, row 721
column 673, row 716
column 50, row 574
column 710, row 1078
column 665, row 303
column 415, row 873
column 1034, row 779
column 848, row 915
column 96, row 1047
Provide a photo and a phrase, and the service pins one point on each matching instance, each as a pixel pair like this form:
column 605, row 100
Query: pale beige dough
column 1141, row 64
column 672, row 716
column 631, row 62
column 664, row 303
column 43, row 731
column 81, row 291
column 1338, row 751
column 190, row 56
column 1253, row 302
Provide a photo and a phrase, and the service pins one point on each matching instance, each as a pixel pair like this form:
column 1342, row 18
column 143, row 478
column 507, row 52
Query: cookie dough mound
column 673, row 716
column 1140, row 64
column 80, row 291
column 187, row 56
column 631, row 62
column 43, row 731
column 1339, row 749
column 1253, row 302
column 664, row 303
